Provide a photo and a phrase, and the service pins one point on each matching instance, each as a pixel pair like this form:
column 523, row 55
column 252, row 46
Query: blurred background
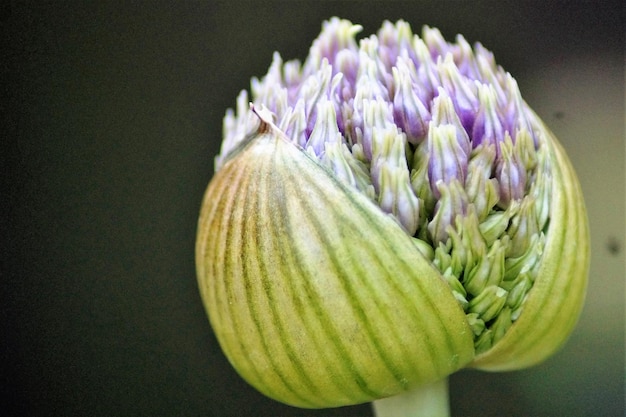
column 111, row 118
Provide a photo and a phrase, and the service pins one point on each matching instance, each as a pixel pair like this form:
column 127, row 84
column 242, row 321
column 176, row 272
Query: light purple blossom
column 425, row 128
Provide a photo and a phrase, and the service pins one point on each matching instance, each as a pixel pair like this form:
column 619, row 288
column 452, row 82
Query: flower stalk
column 426, row 401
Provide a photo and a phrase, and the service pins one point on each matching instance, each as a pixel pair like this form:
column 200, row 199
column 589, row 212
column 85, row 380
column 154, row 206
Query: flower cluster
column 438, row 136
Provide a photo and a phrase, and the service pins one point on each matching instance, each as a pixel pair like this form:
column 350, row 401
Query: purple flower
column 381, row 215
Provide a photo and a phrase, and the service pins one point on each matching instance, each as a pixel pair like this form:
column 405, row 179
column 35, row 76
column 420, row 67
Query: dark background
column 111, row 118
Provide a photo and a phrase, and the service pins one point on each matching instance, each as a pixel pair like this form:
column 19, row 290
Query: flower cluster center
column 438, row 136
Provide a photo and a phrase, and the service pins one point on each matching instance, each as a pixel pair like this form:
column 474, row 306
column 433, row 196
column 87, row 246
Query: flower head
column 384, row 214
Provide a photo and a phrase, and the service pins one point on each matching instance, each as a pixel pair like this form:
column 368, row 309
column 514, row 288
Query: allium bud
column 383, row 215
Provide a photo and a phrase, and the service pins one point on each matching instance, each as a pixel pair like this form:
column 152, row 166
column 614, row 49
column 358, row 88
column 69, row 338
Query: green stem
column 426, row 401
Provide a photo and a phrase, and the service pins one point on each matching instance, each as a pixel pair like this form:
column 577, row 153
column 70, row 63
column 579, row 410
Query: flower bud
column 410, row 113
column 452, row 203
column 447, row 160
column 488, row 303
column 487, row 129
column 482, row 189
column 510, row 173
column 383, row 215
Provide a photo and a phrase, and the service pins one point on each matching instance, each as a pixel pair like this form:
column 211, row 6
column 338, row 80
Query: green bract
column 385, row 214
